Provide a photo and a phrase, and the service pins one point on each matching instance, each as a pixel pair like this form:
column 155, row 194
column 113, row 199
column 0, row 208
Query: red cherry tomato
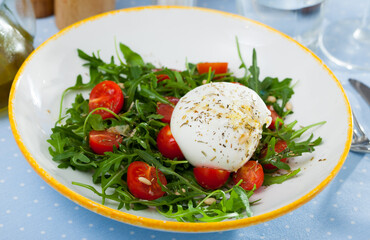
column 103, row 141
column 217, row 67
column 251, row 174
column 210, row 178
column 280, row 146
column 142, row 181
column 167, row 144
column 166, row 110
column 162, row 77
column 106, row 94
column 274, row 116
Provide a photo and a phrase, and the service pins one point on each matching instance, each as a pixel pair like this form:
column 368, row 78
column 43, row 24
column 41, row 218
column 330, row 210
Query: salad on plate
column 194, row 144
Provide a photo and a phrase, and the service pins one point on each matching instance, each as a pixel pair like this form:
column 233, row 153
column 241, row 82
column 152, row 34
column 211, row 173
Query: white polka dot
column 241, row 234
column 344, row 167
column 35, row 201
column 2, row 180
column 335, row 205
column 353, row 222
column 266, row 224
column 42, row 187
column 42, row 232
column 70, row 221
column 15, row 155
column 291, row 213
column 21, row 229
column 287, row 226
column 152, row 236
column 1, row 225
column 339, row 193
column 355, row 209
column 29, row 170
column 332, row 219
column 50, row 218
column 311, row 216
column 76, row 208
column 308, row 229
column 111, row 229
column 29, row 215
column 341, row 180
column 361, row 183
column 315, row 202
column 358, row 195
column 2, row 140
column 22, row 185
column 15, row 198
column 8, row 211
column 63, row 236
column 349, row 237
column 9, row 168
column 173, row 239
column 329, row 233
column 364, row 170
column 84, row 239
column 91, row 225
column 56, row 204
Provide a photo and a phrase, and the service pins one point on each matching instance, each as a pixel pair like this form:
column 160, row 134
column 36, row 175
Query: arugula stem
column 96, row 109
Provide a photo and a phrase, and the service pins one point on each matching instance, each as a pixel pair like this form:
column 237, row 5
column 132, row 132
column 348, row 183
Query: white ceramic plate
column 169, row 36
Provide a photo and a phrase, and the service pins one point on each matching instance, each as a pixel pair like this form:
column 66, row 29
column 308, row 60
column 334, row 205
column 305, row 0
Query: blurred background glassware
column 188, row 3
column 300, row 19
column 346, row 42
column 17, row 30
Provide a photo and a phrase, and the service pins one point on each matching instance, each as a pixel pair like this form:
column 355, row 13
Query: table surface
column 31, row 209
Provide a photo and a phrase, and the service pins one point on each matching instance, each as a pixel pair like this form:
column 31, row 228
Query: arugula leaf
column 131, row 57
column 281, row 90
column 254, row 82
column 269, row 179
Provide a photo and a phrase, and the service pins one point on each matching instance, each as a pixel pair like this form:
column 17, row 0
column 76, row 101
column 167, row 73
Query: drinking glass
column 300, row 19
column 347, row 42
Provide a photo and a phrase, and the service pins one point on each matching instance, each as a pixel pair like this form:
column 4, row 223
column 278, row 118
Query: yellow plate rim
column 161, row 224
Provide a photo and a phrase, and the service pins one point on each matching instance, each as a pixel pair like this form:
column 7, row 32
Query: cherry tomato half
column 251, row 174
column 217, row 67
column 274, row 116
column 103, row 141
column 106, row 94
column 210, row 178
column 167, row 144
column 166, row 110
column 280, row 146
column 142, row 181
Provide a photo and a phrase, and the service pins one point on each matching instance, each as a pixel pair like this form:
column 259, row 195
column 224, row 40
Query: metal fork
column 360, row 142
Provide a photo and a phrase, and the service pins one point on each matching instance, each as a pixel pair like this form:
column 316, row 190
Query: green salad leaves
column 139, row 125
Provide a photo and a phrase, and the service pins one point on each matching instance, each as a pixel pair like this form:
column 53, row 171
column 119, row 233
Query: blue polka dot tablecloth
column 31, row 209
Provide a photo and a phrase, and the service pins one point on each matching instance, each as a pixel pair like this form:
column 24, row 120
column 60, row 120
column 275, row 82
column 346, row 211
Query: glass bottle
column 17, row 29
